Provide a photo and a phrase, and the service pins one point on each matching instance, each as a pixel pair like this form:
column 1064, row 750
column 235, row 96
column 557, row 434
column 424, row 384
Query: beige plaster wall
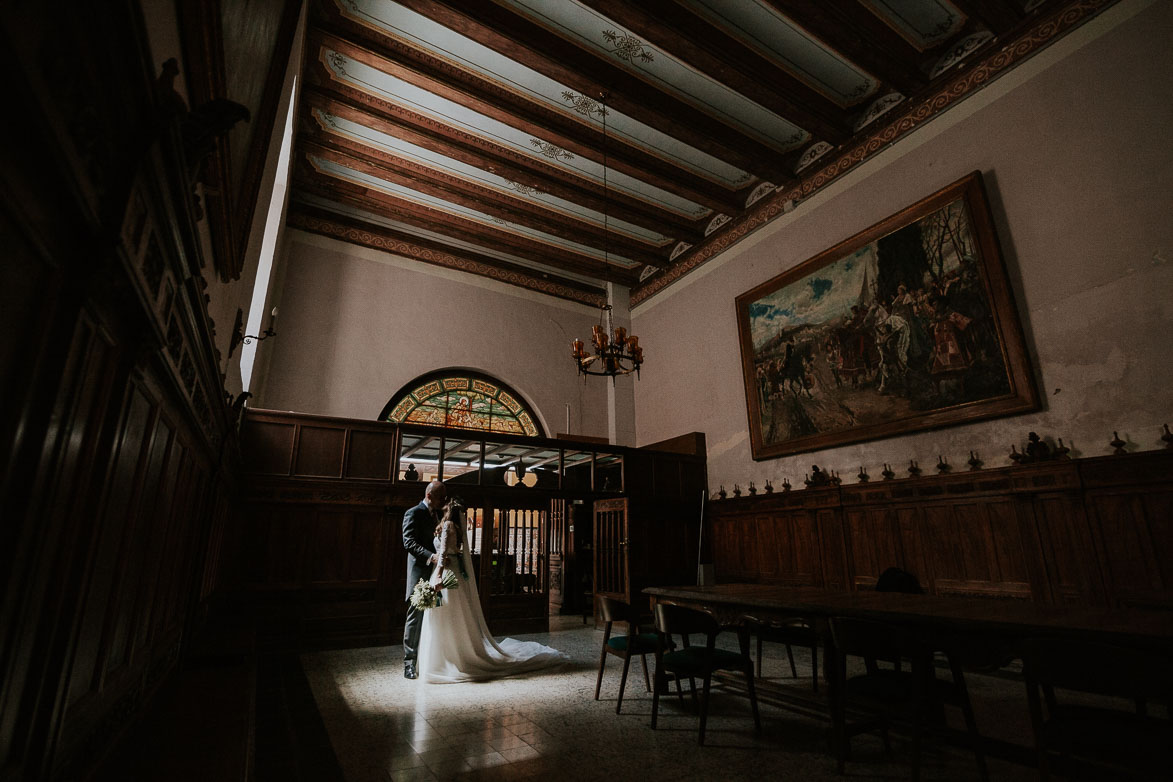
column 357, row 324
column 1075, row 150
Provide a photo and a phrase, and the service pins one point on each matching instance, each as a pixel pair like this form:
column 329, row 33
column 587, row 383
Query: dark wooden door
column 514, row 567
column 612, row 550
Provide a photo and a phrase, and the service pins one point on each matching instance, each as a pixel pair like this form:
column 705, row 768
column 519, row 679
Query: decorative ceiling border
column 337, row 229
column 1005, row 58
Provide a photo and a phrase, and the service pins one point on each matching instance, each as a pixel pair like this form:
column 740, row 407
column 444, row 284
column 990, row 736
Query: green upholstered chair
column 1110, row 737
column 883, row 696
column 623, row 646
column 799, row 632
column 698, row 661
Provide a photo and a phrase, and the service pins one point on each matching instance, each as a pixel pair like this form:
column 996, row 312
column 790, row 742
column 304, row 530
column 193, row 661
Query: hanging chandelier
column 614, row 352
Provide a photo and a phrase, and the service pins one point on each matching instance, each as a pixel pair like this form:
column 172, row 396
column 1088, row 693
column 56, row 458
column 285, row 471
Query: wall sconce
column 239, row 337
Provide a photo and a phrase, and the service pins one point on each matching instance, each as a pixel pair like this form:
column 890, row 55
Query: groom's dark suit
column 419, row 527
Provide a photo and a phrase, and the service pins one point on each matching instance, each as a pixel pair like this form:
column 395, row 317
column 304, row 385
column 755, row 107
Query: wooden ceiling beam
column 862, row 37
column 430, row 251
column 531, row 44
column 674, row 28
column 1000, row 16
column 459, row 228
column 380, row 115
column 492, row 99
column 412, row 175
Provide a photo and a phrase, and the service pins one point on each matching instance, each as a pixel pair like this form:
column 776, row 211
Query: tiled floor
column 548, row 726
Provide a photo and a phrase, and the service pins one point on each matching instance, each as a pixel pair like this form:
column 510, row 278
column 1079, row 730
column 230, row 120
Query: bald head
column 437, row 494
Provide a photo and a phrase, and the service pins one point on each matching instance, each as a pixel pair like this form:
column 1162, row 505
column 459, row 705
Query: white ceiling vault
column 470, row 133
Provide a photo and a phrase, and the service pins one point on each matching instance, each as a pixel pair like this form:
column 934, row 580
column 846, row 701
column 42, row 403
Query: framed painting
column 908, row 325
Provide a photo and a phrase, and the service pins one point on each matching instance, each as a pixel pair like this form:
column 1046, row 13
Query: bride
column 455, row 645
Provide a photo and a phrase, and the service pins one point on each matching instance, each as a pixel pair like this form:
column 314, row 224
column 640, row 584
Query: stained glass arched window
column 462, row 400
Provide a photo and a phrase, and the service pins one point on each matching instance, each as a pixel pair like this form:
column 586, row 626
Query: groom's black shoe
column 409, row 669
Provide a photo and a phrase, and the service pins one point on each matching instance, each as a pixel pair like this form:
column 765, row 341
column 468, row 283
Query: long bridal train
column 455, row 644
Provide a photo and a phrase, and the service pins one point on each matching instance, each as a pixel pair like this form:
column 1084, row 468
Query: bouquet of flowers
column 424, row 595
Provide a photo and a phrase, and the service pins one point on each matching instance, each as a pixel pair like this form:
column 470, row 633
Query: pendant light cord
column 606, row 191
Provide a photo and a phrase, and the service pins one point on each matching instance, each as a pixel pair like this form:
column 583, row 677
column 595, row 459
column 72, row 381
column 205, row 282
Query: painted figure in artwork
column 461, row 415
column 898, row 327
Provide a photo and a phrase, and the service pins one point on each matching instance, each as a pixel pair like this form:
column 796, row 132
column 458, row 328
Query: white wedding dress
column 455, row 645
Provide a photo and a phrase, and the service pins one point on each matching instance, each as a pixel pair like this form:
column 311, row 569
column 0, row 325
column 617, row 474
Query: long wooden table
column 1001, row 622
column 737, row 604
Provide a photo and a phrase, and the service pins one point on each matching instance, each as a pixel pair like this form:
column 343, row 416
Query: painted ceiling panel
column 392, row 19
column 925, row 23
column 591, row 30
column 330, row 168
column 376, row 219
column 453, row 114
column 407, row 150
column 472, row 130
column 771, row 34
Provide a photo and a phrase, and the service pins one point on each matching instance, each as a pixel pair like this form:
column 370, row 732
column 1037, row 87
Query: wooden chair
column 797, row 632
column 1114, row 740
column 912, row 697
column 698, row 661
column 624, row 646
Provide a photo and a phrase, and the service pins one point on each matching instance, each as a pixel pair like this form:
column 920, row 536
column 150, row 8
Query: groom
column 419, row 527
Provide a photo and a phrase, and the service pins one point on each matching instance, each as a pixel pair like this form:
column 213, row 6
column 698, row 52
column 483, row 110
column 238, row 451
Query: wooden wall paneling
column 693, row 479
column 111, row 518
column 958, row 533
column 95, row 390
column 875, row 543
column 286, row 546
column 639, row 473
column 804, row 563
column 45, row 583
column 986, row 554
column 1132, row 534
column 1158, row 513
column 331, row 537
column 178, row 574
column 1009, row 550
column 268, row 446
column 739, row 534
column 392, row 571
column 1096, row 531
column 834, row 554
column 131, row 561
column 366, row 543
column 319, row 451
column 748, row 564
column 370, row 455
column 770, row 555
column 726, row 541
column 666, row 472
column 1057, row 542
column 914, row 553
column 156, row 536
column 29, row 289
column 221, row 510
